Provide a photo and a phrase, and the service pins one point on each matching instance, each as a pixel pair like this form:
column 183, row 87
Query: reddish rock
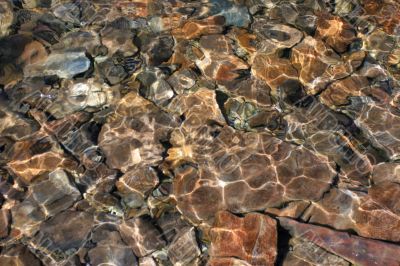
column 252, row 238
column 227, row 262
column 354, row 249
column 372, row 215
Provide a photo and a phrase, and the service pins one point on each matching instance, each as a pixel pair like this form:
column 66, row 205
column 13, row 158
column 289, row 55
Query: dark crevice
column 221, row 98
column 283, row 246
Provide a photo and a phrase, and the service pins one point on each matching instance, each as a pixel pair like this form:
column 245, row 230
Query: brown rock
column 318, row 128
column 141, row 236
column 183, row 54
column 171, row 224
column 110, row 249
column 252, row 238
column 244, row 39
column 147, row 261
column 118, row 40
column 133, row 136
column 274, row 38
column 199, row 108
column 135, row 185
column 217, row 61
column 155, row 48
column 38, row 155
column 252, row 89
column 64, row 234
column 273, row 70
column 195, row 29
column 79, row 40
column 18, row 255
column 47, row 196
column 293, row 209
column 182, row 80
column 222, row 169
column 382, row 135
column 312, row 59
column 304, row 252
column 134, row 9
column 335, row 31
column 34, row 52
column 386, row 172
column 227, row 262
column 338, row 93
column 243, row 173
column 354, row 249
column 386, row 13
column 372, row 215
column 4, row 222
column 184, row 249
column 15, row 126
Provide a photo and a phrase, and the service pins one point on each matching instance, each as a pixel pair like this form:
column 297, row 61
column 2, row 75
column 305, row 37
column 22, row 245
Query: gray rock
column 65, row 65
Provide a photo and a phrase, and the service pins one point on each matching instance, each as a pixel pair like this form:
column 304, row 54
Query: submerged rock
column 65, row 65
column 363, row 251
column 143, row 237
column 67, row 233
column 135, row 186
column 110, row 249
column 18, row 255
column 6, row 17
column 252, row 239
column 180, row 132
column 184, row 248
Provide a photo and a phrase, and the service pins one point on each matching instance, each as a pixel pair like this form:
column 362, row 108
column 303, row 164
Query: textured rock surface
column 213, row 132
column 362, row 252
column 252, row 239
